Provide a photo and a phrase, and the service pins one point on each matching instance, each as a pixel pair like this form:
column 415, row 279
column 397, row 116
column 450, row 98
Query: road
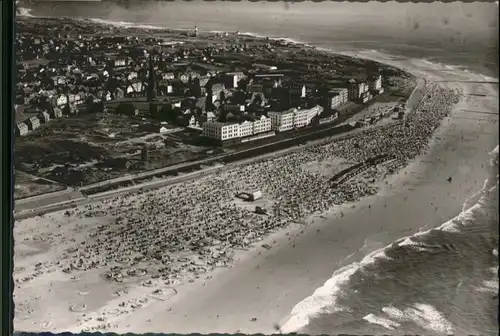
column 70, row 198
column 65, row 201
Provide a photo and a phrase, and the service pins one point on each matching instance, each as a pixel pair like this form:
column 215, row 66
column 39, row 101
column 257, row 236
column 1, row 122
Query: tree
column 222, row 97
column 126, row 109
column 168, row 114
column 223, row 116
column 153, row 110
column 257, row 100
column 195, row 87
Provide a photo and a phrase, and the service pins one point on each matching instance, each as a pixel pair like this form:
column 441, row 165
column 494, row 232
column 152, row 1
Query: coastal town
column 252, row 167
column 144, row 246
column 127, row 100
column 91, row 107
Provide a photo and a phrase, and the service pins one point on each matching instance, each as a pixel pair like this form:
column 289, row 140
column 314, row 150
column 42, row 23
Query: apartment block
column 221, row 131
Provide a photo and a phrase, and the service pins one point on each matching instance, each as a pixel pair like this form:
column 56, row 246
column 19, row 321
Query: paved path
column 46, row 200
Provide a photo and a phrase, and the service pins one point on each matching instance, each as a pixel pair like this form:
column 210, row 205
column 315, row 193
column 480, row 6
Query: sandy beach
column 257, row 291
column 267, row 286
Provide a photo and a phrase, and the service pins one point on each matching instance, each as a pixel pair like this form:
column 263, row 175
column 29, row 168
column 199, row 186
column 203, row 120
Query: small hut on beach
column 250, row 196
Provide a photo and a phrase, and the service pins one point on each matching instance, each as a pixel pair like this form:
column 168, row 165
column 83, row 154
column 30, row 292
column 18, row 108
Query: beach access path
column 259, row 292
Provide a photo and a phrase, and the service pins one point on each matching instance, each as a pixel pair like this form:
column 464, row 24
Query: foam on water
column 382, row 321
column 124, row 24
column 424, row 315
column 324, row 299
column 489, row 286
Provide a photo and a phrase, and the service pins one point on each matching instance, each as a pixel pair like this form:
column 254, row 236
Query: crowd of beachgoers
column 180, row 232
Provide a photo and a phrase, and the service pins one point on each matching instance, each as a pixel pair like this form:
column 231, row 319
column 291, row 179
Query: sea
column 441, row 281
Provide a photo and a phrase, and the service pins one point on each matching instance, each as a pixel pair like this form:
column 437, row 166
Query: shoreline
column 266, row 324
column 250, row 257
column 132, row 25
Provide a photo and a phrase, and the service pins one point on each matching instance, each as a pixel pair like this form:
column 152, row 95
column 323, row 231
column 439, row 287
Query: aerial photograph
column 253, row 167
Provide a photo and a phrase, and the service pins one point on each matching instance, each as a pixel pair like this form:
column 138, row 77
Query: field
column 89, row 148
column 28, row 186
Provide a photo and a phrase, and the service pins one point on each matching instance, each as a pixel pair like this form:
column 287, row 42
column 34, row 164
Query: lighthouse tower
column 196, row 31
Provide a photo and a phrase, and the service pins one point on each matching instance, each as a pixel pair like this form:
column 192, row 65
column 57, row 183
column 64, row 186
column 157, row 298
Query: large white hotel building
column 276, row 121
column 230, row 130
column 293, row 118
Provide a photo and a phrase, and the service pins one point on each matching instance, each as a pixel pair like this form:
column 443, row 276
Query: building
column 33, row 123
column 61, row 100
column 329, row 117
column 282, row 121
column 333, row 100
column 215, row 91
column 135, row 89
column 168, row 76
column 337, row 97
column 226, row 131
column 375, row 84
column 44, row 117
column 258, row 88
column 118, row 94
column 298, row 90
column 257, row 194
column 231, row 79
column 293, row 118
column 76, row 99
column 120, row 62
column 211, row 117
column 164, row 87
column 262, row 125
column 250, row 196
column 221, row 131
column 356, row 90
column 59, row 80
column 132, row 75
column 353, row 90
column 365, row 97
column 57, row 113
column 194, row 121
column 265, row 67
column 246, row 128
column 234, row 108
column 301, row 118
column 21, row 129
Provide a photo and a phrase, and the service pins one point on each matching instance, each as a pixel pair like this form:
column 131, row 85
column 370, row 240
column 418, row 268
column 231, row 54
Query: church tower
column 151, row 81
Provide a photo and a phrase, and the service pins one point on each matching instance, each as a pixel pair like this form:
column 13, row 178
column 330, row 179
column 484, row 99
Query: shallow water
column 441, row 281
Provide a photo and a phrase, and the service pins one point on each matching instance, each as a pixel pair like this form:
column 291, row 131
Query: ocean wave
column 488, row 286
column 325, row 298
column 424, row 315
column 123, row 24
column 382, row 321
